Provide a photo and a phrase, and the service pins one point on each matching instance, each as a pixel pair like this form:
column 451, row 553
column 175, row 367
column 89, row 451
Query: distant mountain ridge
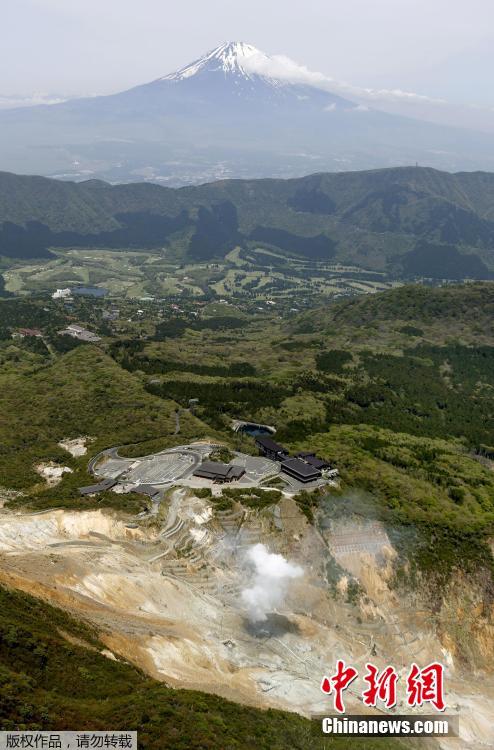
column 235, row 112
column 407, row 221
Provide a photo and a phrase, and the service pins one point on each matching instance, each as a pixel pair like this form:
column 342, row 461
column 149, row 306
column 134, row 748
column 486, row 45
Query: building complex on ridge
column 305, row 467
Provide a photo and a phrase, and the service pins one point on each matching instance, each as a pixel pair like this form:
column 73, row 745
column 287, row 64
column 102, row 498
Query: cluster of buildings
column 304, row 467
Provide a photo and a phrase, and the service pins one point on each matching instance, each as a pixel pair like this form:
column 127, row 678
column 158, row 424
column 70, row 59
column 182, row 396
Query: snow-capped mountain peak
column 237, row 59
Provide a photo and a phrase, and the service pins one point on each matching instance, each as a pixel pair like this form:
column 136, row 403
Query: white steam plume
column 272, row 575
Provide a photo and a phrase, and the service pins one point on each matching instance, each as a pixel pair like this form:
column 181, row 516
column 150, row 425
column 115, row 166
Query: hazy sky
column 440, row 48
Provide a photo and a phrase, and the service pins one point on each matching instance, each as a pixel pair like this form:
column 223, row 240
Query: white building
column 61, row 293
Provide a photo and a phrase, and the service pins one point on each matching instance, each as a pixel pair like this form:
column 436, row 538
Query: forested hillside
column 401, row 380
column 394, row 389
column 410, row 222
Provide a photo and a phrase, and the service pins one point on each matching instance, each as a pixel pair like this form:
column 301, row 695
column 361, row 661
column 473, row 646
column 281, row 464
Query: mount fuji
column 235, row 112
column 239, row 70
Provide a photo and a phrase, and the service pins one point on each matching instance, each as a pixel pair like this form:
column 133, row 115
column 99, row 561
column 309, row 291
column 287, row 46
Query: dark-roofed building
column 218, row 472
column 313, row 460
column 317, row 463
column 269, row 448
column 91, row 489
column 300, row 470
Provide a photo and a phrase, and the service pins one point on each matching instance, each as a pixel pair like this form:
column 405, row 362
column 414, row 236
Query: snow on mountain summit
column 237, row 58
column 246, row 61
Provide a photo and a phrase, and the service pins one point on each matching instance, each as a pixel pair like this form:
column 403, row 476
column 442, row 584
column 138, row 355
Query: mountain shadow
column 312, row 201
column 216, row 232
column 317, row 247
column 31, row 241
column 139, row 229
column 443, row 262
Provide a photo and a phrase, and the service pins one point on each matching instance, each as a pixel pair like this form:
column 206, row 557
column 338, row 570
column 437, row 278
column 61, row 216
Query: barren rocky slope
column 168, row 599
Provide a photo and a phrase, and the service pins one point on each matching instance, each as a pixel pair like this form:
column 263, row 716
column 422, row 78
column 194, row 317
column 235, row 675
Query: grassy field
column 135, row 274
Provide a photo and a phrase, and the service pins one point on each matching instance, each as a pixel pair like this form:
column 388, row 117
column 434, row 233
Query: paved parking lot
column 256, row 467
column 113, row 467
column 162, row 469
